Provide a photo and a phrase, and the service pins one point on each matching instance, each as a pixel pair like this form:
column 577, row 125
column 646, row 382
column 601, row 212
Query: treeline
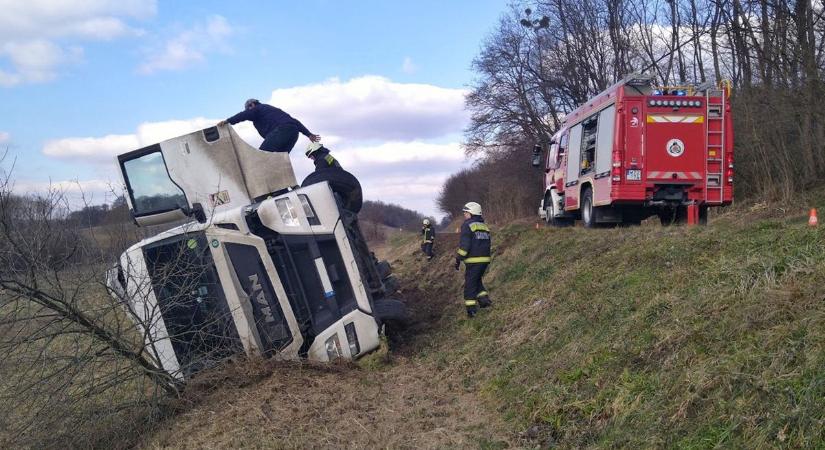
column 391, row 215
column 544, row 61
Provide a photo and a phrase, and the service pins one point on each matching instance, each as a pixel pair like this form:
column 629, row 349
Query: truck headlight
column 352, row 338
column 287, row 212
column 333, row 346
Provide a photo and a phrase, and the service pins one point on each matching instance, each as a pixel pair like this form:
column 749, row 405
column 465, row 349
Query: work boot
column 485, row 302
column 471, row 312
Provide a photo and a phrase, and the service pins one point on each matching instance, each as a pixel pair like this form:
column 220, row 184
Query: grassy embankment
column 643, row 337
column 649, row 337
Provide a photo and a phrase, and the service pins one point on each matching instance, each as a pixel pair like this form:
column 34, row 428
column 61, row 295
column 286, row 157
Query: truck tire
column 391, row 285
column 673, row 216
column 588, row 211
column 342, row 183
column 384, row 269
column 392, row 312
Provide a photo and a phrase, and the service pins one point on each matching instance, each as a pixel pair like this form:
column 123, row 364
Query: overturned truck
column 257, row 264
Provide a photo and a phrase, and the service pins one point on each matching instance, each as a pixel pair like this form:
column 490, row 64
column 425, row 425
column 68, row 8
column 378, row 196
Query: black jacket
column 267, row 118
column 428, row 233
column 324, row 160
column 474, row 243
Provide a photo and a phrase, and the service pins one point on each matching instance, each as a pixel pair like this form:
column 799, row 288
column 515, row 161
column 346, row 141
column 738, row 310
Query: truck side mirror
column 196, row 211
column 537, row 156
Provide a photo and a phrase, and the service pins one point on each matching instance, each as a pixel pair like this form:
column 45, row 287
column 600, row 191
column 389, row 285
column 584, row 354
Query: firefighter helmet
column 312, row 148
column 426, row 221
column 473, row 208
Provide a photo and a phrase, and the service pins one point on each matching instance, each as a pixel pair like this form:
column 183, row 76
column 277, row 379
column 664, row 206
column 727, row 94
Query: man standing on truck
column 279, row 129
column 428, row 233
column 474, row 250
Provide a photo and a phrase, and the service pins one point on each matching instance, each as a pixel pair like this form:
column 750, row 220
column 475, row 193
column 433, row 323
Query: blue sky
column 382, row 82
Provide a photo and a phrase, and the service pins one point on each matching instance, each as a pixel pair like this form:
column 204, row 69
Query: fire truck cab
column 636, row 151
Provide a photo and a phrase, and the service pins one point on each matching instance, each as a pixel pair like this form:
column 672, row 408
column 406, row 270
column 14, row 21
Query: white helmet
column 313, row 147
column 426, row 221
column 472, row 208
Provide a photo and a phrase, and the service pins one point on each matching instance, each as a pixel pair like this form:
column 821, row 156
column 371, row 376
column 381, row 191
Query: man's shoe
column 471, row 313
column 485, row 302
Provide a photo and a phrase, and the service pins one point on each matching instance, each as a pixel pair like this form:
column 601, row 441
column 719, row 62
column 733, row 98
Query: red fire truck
column 636, row 151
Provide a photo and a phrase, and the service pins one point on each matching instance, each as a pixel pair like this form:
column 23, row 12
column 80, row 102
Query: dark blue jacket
column 474, row 242
column 267, row 118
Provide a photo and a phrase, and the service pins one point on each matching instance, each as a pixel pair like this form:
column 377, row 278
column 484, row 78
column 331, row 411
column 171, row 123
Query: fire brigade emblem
column 675, row 147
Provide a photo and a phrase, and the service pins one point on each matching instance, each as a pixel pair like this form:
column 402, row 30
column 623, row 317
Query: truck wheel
column 667, row 216
column 588, row 212
column 342, row 183
column 392, row 312
column 384, row 269
column 391, row 284
column 548, row 209
column 703, row 215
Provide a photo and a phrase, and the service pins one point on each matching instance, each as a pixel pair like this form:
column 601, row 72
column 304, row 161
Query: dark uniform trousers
column 475, row 294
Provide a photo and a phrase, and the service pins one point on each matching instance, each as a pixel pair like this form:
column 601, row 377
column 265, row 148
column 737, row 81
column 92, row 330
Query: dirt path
column 397, row 400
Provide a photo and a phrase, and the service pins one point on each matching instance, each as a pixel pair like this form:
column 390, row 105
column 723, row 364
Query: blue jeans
column 281, row 139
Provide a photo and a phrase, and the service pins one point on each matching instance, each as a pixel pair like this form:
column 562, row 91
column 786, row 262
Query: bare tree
column 80, row 359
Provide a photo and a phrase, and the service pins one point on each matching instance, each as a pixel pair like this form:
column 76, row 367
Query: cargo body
column 635, row 151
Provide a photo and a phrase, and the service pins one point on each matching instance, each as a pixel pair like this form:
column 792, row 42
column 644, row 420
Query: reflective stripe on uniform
column 329, row 159
column 478, row 226
column 477, row 259
column 482, row 294
column 470, row 303
column 462, row 252
column 428, row 242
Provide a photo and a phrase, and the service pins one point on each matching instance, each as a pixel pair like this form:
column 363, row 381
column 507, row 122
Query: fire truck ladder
column 715, row 158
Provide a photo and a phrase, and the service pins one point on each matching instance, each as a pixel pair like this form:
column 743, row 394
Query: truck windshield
column 191, row 302
column 149, row 185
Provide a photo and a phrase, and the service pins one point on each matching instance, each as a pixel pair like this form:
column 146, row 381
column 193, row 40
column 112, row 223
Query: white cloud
column 188, row 47
column 373, row 107
column 34, row 33
column 408, row 66
column 103, row 150
column 4, row 136
column 390, row 135
column 35, row 61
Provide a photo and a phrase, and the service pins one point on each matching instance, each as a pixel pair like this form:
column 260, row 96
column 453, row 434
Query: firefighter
column 474, row 250
column 428, row 235
column 321, row 157
column 343, row 183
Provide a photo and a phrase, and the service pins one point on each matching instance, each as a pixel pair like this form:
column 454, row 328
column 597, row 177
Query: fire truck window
column 553, row 157
column 588, row 148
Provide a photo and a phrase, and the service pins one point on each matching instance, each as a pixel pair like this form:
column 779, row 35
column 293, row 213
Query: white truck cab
column 267, row 268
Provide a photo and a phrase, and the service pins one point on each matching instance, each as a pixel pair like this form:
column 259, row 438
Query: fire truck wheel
column 703, row 215
column 673, row 216
column 588, row 212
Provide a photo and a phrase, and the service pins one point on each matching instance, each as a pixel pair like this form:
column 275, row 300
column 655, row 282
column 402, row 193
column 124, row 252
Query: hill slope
column 636, row 338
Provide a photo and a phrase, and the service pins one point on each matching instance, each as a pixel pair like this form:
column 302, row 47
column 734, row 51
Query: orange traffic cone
column 812, row 220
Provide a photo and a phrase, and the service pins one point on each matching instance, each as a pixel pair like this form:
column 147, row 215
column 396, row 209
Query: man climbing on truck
column 474, row 250
column 279, row 129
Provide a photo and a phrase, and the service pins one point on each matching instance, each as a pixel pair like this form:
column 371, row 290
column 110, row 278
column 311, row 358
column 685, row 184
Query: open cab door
column 198, row 175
